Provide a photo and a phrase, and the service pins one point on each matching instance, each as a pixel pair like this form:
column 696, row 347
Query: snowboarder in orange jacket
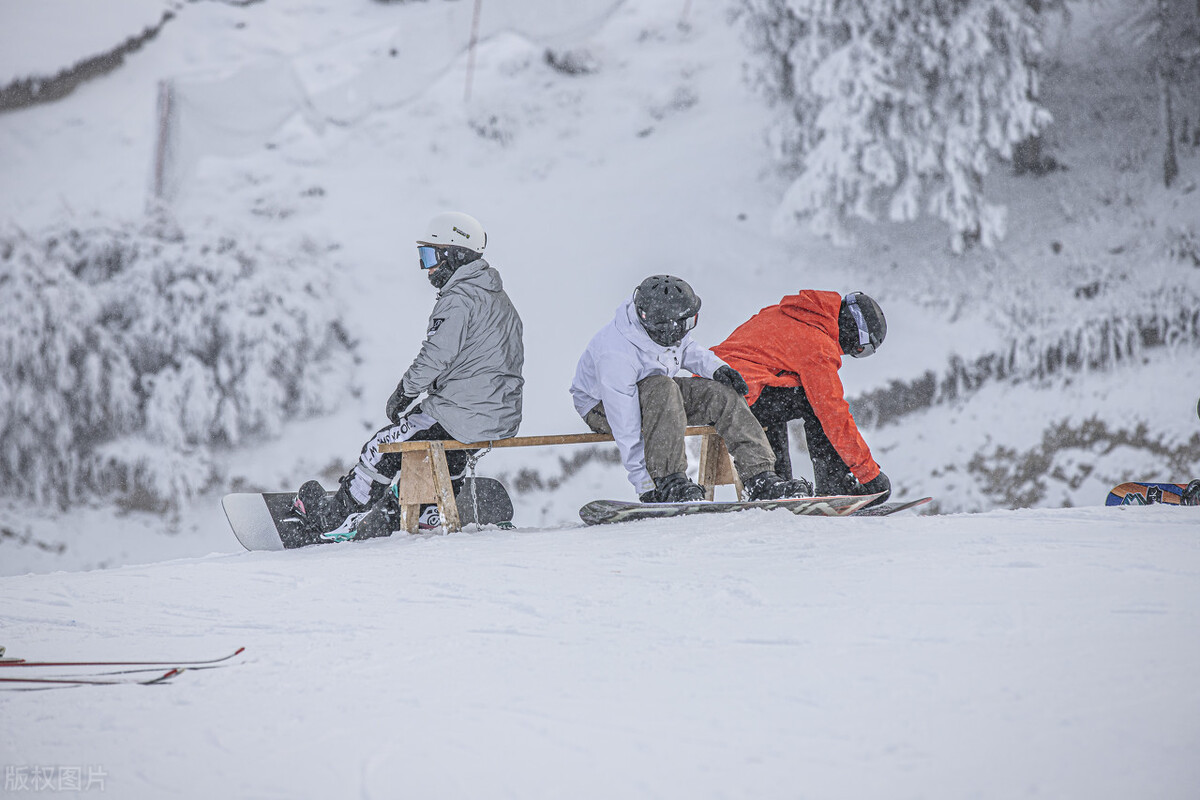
column 789, row 355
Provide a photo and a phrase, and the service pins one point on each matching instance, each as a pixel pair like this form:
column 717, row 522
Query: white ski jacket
column 617, row 357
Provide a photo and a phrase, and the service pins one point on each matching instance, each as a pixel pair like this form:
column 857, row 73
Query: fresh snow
column 1041, row 652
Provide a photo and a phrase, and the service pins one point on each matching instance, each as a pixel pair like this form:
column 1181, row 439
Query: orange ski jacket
column 795, row 343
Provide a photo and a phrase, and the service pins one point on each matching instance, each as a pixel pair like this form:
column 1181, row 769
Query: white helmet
column 457, row 229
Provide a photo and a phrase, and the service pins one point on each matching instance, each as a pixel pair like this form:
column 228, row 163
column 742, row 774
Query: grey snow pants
column 671, row 404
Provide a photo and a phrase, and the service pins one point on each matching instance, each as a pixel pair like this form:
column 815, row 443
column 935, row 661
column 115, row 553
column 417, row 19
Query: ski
column 177, row 664
column 93, row 681
column 104, row 673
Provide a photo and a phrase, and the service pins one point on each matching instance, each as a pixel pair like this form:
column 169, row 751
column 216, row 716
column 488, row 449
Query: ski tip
column 166, row 676
column 239, row 651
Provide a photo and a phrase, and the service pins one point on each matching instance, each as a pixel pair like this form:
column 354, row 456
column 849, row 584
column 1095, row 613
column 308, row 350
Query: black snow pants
column 778, row 405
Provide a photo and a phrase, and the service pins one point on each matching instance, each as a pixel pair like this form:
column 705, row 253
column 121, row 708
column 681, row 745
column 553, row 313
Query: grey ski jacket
column 470, row 362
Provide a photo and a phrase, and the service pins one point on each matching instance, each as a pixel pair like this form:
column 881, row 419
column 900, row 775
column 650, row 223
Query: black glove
column 732, row 378
column 397, row 403
column 879, row 483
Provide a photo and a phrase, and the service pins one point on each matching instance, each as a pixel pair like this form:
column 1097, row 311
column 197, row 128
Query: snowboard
column 601, row 512
column 1144, row 494
column 267, row 522
column 884, row 509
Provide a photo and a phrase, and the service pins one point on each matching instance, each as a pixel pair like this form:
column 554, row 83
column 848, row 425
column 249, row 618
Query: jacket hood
column 477, row 273
column 815, row 308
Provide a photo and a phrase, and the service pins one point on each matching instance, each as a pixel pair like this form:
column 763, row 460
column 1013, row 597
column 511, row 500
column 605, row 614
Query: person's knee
column 654, row 384
column 710, row 393
column 724, row 394
column 659, row 391
column 719, row 400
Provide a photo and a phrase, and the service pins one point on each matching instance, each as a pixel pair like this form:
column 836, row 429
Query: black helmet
column 667, row 308
column 861, row 325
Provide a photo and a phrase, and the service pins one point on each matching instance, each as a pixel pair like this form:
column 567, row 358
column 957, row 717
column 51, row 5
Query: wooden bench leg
column 410, row 517
column 444, row 488
column 425, row 478
column 716, row 466
column 415, row 486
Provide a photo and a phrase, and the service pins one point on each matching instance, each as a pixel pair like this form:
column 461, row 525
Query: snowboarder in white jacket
column 626, row 385
column 468, row 369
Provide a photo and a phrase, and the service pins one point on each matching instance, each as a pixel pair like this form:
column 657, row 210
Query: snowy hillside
column 1021, row 642
column 598, row 147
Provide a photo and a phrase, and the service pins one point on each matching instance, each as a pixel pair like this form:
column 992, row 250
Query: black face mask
column 440, row 275
column 440, row 263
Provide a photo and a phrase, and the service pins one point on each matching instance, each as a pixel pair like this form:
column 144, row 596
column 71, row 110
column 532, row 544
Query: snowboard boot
column 319, row 513
column 1191, row 494
column 769, row 486
column 346, row 531
column 381, row 519
column 832, row 477
column 310, row 498
column 674, row 488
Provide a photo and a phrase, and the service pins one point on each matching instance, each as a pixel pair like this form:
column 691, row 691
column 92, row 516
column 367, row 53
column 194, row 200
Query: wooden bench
column 425, row 478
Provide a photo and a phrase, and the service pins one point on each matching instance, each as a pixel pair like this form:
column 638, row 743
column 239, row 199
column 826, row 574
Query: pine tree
column 130, row 352
column 893, row 108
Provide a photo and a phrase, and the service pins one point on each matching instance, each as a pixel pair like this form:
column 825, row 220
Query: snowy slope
column 1041, row 653
column 1009, row 654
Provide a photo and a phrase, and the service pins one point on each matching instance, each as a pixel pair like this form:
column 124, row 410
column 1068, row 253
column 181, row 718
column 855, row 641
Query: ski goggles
column 674, row 328
column 428, row 255
column 866, row 342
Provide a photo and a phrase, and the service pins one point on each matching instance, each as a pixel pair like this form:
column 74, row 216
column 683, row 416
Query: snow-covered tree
column 1170, row 29
column 128, row 352
column 893, row 108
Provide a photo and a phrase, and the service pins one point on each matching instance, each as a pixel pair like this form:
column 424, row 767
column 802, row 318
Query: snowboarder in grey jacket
column 468, row 369
column 625, row 385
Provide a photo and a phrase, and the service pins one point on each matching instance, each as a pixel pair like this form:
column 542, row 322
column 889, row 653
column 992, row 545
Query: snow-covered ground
column 1036, row 653
column 1040, row 652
